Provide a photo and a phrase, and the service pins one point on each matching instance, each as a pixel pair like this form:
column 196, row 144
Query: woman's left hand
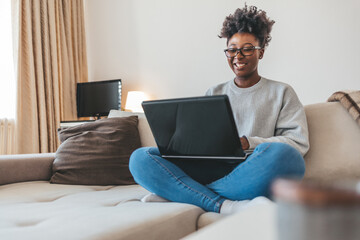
column 244, row 143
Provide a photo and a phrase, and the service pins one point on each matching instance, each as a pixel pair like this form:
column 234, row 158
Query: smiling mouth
column 239, row 65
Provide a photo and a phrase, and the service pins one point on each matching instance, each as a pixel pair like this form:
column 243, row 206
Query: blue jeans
column 249, row 179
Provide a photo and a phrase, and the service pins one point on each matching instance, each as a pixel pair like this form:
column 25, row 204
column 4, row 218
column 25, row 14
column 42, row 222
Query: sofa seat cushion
column 40, row 210
column 209, row 218
column 256, row 222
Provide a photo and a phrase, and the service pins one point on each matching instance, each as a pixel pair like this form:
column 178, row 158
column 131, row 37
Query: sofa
column 33, row 208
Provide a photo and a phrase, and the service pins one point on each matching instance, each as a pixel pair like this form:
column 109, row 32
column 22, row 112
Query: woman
column 267, row 113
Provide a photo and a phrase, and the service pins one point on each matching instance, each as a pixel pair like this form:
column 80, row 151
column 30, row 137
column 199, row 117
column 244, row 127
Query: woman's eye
column 247, row 49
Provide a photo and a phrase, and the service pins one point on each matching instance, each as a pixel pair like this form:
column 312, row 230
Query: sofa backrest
column 334, row 143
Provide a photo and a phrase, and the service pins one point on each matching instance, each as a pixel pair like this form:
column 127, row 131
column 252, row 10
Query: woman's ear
column 261, row 53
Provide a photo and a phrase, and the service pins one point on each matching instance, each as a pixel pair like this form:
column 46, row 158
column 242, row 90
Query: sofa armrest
column 25, row 167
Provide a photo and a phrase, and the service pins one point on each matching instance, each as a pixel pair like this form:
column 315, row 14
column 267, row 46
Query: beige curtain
column 7, row 136
column 51, row 60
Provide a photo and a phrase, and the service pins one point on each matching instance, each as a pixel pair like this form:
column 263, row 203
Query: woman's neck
column 246, row 82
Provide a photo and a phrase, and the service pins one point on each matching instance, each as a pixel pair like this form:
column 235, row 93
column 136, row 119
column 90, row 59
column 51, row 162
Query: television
column 96, row 99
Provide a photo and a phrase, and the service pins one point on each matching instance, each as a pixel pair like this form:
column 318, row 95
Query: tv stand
column 65, row 124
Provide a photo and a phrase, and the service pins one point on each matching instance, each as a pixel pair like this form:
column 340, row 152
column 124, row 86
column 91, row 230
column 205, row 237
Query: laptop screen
column 197, row 126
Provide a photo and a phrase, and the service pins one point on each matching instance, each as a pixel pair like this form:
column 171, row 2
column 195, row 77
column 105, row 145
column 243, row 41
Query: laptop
column 195, row 128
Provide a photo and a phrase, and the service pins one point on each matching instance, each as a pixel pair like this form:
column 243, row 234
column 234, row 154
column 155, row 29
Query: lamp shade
column 134, row 100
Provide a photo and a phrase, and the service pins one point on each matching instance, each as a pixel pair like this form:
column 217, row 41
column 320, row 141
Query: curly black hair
column 248, row 20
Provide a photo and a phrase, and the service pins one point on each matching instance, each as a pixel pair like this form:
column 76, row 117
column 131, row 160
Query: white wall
column 170, row 48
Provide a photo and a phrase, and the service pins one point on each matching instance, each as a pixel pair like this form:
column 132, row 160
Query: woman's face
column 244, row 66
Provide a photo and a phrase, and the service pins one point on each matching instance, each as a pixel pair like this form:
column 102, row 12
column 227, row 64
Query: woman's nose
column 239, row 55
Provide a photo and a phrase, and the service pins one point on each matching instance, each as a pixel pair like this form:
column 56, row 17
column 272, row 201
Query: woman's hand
column 244, row 143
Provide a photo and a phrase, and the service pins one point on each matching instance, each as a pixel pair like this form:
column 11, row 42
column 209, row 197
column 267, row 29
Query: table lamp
column 134, row 100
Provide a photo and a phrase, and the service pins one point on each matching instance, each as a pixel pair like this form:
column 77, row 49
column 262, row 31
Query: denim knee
column 286, row 158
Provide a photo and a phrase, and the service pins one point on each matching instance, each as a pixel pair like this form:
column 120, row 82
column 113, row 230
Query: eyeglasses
column 247, row 50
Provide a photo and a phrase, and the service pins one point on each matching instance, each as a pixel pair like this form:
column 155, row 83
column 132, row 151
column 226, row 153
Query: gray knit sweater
column 269, row 111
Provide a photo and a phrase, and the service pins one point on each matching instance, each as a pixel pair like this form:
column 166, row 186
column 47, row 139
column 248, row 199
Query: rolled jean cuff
column 218, row 205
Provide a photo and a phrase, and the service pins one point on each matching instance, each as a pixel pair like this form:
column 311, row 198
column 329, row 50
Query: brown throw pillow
column 96, row 153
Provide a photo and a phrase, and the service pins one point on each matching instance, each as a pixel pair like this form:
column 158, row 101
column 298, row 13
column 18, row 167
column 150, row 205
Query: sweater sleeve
column 209, row 92
column 291, row 126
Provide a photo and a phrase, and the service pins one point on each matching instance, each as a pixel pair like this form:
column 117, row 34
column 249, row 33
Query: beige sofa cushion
column 209, row 218
column 257, row 222
column 334, row 143
column 40, row 210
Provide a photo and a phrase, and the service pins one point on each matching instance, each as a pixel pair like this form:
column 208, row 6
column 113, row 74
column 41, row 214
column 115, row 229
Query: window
column 7, row 71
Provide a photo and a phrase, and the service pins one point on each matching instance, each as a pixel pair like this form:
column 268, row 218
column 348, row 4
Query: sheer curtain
column 51, row 60
column 7, row 81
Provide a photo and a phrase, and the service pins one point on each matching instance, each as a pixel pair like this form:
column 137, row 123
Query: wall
column 170, row 48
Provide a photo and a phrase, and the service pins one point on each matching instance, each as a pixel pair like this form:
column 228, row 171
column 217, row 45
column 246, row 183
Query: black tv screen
column 98, row 98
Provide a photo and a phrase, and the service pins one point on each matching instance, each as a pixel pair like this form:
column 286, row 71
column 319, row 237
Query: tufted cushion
column 40, row 210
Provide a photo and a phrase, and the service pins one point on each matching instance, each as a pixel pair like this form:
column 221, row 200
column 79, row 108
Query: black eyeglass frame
column 240, row 50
